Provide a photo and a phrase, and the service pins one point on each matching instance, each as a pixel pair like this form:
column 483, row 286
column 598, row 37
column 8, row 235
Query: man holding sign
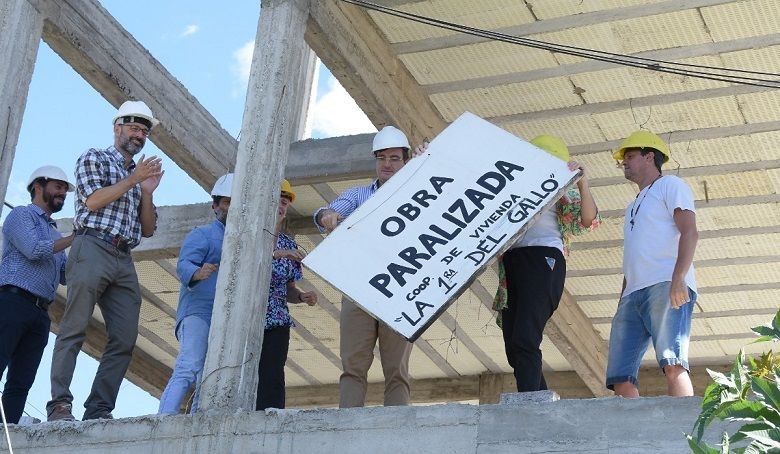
column 359, row 331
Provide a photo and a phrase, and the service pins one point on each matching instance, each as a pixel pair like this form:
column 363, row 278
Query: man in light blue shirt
column 32, row 267
column 197, row 268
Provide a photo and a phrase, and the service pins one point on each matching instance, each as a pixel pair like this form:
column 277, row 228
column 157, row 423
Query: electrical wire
column 721, row 74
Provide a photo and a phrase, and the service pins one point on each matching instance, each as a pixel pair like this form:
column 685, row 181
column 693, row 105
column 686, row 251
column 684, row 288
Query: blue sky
column 208, row 47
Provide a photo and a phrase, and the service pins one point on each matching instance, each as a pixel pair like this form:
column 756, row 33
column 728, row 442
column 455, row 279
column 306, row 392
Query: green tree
column 747, row 394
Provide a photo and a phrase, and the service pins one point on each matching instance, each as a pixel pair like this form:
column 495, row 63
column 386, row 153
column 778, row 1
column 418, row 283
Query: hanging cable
column 730, row 75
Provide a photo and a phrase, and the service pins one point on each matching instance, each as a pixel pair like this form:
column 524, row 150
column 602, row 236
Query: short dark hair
column 658, row 157
column 217, row 198
column 31, row 188
column 405, row 153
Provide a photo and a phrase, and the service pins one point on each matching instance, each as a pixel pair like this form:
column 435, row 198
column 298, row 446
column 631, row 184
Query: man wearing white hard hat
column 32, row 267
column 114, row 209
column 197, row 268
column 359, row 331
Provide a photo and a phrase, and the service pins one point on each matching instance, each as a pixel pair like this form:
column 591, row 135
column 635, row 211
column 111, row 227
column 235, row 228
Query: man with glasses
column 659, row 285
column 359, row 331
column 114, row 209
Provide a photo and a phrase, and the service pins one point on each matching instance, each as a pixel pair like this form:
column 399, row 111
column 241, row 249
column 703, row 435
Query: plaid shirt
column 96, row 169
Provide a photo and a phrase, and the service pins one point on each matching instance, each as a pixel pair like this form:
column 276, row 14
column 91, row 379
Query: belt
column 42, row 303
column 114, row 240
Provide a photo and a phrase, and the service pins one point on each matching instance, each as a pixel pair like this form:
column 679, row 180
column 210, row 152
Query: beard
column 130, row 145
column 54, row 202
column 221, row 215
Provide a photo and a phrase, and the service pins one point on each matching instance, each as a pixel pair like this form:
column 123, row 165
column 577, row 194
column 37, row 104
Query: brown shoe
column 61, row 412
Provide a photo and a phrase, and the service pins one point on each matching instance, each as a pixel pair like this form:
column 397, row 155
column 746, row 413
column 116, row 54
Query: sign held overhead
column 425, row 235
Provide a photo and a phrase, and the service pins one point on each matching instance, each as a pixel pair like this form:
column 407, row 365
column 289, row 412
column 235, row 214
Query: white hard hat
column 390, row 137
column 132, row 111
column 50, row 173
column 223, row 186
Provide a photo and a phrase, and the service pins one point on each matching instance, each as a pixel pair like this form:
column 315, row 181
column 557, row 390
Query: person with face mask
column 32, row 267
column 114, row 209
column 197, row 269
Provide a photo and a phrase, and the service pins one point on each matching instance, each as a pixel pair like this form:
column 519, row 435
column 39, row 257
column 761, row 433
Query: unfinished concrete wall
column 20, row 33
column 592, row 426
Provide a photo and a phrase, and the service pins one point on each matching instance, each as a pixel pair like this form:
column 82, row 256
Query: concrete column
column 20, row 34
column 274, row 95
column 490, row 388
column 311, row 70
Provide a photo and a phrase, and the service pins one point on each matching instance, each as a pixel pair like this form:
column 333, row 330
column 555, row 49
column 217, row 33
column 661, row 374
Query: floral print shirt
column 283, row 271
column 568, row 209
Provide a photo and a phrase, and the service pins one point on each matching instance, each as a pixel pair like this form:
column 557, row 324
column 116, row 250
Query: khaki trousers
column 359, row 333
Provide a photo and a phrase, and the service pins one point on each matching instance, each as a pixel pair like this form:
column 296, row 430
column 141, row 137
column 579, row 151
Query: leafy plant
column 749, row 394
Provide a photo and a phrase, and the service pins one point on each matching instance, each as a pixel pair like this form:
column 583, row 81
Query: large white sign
column 419, row 241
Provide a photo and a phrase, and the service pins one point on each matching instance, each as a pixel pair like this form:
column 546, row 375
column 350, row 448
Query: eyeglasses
column 136, row 129
column 393, row 159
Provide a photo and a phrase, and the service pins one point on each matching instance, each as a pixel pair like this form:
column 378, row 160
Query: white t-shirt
column 651, row 236
column 544, row 232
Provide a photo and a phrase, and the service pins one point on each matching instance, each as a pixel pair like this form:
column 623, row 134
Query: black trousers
column 270, row 385
column 24, row 333
column 535, row 276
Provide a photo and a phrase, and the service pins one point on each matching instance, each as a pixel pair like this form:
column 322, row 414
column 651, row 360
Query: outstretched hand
column 420, row 149
column 330, row 220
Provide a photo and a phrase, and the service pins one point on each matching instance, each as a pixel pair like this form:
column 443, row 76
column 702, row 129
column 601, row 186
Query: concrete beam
column 145, row 371
column 628, row 104
column 175, row 223
column 592, row 425
column 110, row 59
column 277, row 87
column 349, row 44
column 20, row 35
column 486, row 388
column 573, row 334
column 325, row 160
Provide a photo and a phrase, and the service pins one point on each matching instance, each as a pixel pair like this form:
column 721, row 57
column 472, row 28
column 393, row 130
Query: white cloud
column 189, row 30
column 334, row 114
column 242, row 61
column 337, row 114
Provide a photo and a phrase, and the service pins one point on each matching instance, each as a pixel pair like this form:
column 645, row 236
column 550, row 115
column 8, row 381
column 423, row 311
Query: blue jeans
column 24, row 332
column 193, row 335
column 642, row 316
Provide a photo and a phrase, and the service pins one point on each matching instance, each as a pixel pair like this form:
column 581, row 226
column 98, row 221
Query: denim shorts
column 642, row 316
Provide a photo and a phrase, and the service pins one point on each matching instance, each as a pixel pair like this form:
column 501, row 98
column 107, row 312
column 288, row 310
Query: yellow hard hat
column 287, row 191
column 553, row 145
column 642, row 139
